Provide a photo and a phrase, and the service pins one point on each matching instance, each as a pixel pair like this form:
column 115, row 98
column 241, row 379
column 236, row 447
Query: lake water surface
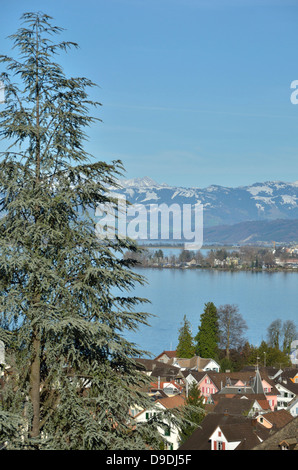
column 260, row 296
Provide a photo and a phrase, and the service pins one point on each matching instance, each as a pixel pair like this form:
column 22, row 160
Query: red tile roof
column 170, row 354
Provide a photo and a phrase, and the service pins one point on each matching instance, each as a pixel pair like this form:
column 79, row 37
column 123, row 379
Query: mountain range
column 259, row 212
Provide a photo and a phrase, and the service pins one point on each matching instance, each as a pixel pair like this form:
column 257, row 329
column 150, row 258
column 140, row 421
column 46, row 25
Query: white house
column 286, row 394
column 197, row 363
column 170, row 433
column 231, row 436
column 221, row 442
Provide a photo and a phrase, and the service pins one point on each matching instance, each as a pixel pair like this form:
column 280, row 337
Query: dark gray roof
column 198, row 376
column 230, row 390
column 167, row 371
column 157, row 368
column 233, row 406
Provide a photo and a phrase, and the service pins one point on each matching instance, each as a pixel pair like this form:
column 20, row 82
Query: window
column 168, row 431
column 219, row 445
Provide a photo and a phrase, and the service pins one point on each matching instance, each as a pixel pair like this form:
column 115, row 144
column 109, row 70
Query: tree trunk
column 35, row 386
column 35, row 365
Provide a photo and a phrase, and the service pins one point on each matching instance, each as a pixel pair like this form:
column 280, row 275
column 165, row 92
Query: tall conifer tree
column 207, row 337
column 65, row 296
column 185, row 347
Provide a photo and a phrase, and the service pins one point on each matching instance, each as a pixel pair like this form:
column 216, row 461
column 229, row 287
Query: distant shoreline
column 182, row 247
column 210, row 268
column 231, row 258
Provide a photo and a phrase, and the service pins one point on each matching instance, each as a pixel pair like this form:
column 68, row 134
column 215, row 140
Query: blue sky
column 194, row 92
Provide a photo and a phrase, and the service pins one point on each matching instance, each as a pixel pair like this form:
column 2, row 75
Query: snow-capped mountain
column 221, row 205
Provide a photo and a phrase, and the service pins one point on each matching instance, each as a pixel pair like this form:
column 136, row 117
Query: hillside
column 279, row 231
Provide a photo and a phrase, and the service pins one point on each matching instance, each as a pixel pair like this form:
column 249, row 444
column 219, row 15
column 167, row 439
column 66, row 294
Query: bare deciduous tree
column 231, row 327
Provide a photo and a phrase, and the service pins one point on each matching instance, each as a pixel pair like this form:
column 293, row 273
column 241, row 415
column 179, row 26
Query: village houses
column 242, row 409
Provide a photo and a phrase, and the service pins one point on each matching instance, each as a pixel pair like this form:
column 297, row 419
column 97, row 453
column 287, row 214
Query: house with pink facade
column 231, row 384
column 246, row 383
column 204, row 382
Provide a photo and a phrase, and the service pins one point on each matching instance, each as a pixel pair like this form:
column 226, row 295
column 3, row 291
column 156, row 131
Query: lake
column 260, row 296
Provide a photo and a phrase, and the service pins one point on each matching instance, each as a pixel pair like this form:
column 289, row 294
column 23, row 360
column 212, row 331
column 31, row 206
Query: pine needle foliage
column 66, row 298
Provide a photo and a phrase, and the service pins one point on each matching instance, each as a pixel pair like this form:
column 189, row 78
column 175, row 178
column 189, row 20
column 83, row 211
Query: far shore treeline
column 237, row 258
